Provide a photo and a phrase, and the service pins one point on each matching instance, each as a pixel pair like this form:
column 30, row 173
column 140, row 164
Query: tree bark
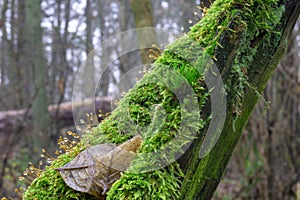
column 4, row 55
column 143, row 17
column 37, row 64
column 203, row 176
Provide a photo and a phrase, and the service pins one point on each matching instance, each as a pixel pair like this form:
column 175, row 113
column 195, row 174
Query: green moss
column 137, row 114
column 160, row 184
column 50, row 185
column 252, row 26
column 252, row 21
column 259, row 25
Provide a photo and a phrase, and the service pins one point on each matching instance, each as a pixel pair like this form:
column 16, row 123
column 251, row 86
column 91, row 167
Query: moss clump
column 50, row 185
column 155, row 97
column 248, row 21
column 160, row 184
column 141, row 111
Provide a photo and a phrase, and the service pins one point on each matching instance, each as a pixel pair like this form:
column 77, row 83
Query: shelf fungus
column 95, row 169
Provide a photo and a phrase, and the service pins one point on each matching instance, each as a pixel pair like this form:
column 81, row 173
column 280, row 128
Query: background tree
column 36, row 66
column 143, row 17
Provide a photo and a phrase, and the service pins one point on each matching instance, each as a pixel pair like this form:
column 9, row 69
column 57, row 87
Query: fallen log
column 63, row 113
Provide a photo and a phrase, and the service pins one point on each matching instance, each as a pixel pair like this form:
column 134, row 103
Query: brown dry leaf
column 95, row 169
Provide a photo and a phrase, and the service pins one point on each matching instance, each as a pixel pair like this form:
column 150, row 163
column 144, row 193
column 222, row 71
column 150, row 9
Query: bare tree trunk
column 15, row 72
column 3, row 53
column 37, row 63
column 143, row 17
column 105, row 79
column 89, row 82
column 59, row 61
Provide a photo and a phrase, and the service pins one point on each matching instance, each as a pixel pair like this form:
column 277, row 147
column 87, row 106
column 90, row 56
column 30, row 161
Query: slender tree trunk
column 37, row 64
column 3, row 52
column 59, row 62
column 15, row 72
column 104, row 81
column 89, row 82
column 143, row 17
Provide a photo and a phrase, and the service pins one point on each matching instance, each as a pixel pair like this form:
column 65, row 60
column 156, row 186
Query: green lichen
column 137, row 114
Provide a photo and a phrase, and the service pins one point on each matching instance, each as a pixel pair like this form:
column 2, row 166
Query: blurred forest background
column 43, row 44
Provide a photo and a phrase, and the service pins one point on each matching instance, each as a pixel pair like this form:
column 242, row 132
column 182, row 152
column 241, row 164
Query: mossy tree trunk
column 203, row 175
column 246, row 39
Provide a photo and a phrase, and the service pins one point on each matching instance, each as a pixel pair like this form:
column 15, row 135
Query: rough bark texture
column 247, row 40
column 203, row 175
